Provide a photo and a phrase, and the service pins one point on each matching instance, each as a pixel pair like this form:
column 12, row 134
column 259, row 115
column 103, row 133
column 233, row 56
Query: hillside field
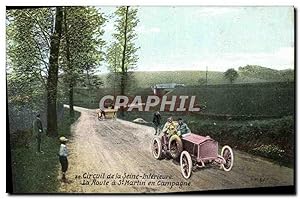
column 247, row 74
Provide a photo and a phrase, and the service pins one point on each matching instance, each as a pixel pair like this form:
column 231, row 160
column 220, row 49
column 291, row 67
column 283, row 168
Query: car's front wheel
column 156, row 148
column 186, row 164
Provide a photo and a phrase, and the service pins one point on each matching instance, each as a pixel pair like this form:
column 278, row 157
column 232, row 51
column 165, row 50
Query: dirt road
column 100, row 149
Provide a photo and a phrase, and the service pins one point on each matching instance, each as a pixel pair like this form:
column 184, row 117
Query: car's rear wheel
column 175, row 146
column 156, row 148
column 186, row 164
column 227, row 154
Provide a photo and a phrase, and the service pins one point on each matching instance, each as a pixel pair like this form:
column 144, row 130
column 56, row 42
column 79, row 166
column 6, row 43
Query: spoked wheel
column 227, row 154
column 156, row 148
column 186, row 164
column 175, row 146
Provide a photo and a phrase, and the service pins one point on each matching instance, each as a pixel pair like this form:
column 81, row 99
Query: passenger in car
column 182, row 128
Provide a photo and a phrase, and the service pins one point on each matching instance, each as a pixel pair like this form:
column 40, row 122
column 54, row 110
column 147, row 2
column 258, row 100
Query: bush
column 270, row 151
column 21, row 138
column 273, row 138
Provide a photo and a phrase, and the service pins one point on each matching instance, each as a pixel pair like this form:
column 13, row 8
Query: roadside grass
column 269, row 138
column 37, row 173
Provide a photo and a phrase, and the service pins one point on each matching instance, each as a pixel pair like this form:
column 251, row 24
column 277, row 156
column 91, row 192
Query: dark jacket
column 37, row 127
column 156, row 119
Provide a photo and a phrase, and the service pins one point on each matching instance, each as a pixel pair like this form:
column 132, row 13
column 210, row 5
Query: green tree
column 32, row 54
column 37, row 39
column 121, row 54
column 53, row 74
column 28, row 34
column 231, row 75
column 113, row 58
column 82, row 46
column 28, row 39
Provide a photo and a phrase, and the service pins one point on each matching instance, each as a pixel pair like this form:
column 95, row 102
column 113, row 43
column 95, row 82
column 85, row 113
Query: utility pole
column 115, row 70
column 206, row 75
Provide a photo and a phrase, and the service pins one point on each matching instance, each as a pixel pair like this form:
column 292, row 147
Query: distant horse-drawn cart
column 107, row 113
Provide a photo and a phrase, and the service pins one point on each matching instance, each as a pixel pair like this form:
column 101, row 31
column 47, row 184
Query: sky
column 193, row 38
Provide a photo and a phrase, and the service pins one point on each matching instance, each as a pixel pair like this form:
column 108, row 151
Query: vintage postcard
column 150, row 99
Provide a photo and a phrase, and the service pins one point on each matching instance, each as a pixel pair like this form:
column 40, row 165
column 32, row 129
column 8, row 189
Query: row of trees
column 51, row 50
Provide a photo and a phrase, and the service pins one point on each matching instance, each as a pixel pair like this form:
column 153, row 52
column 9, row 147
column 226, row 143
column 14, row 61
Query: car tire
column 227, row 154
column 175, row 146
column 186, row 164
column 156, row 147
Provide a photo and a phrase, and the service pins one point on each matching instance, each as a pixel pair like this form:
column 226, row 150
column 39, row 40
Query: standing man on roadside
column 38, row 130
column 156, row 121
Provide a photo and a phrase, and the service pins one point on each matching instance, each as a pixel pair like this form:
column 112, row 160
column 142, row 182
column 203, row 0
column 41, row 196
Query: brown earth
column 121, row 147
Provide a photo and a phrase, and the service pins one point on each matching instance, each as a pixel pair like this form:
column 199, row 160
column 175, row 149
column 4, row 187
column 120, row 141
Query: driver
column 170, row 127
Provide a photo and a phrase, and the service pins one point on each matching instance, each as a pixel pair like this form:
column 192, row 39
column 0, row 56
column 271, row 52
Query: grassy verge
column 270, row 138
column 37, row 173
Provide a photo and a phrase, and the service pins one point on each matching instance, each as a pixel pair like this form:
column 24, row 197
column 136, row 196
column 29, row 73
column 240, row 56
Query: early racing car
column 195, row 152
